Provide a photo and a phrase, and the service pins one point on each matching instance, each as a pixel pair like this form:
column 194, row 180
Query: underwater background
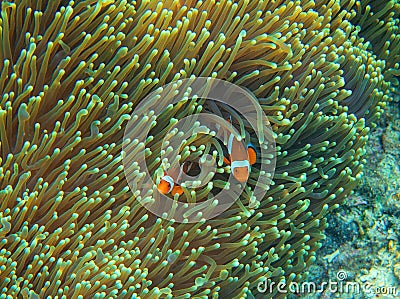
column 76, row 216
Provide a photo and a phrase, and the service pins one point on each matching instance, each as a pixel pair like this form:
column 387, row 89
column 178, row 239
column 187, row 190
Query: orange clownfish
column 169, row 183
column 240, row 158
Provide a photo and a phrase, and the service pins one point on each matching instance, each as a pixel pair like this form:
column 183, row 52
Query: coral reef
column 71, row 73
column 363, row 236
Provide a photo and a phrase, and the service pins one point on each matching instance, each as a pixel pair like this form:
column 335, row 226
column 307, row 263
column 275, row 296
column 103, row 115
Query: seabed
column 363, row 238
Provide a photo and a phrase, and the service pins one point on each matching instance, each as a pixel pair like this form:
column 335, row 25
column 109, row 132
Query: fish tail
column 177, row 190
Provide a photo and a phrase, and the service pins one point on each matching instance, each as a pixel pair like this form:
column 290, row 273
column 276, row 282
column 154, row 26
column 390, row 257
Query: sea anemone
column 71, row 74
column 379, row 22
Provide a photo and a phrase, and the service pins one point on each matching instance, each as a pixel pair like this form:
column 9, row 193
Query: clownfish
column 240, row 158
column 169, row 183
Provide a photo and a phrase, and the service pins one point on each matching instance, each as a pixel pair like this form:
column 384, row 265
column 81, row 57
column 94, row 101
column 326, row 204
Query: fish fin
column 252, row 154
column 176, row 190
column 227, row 161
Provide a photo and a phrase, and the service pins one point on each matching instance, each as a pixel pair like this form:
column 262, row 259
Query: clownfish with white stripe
column 240, row 157
column 169, row 183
